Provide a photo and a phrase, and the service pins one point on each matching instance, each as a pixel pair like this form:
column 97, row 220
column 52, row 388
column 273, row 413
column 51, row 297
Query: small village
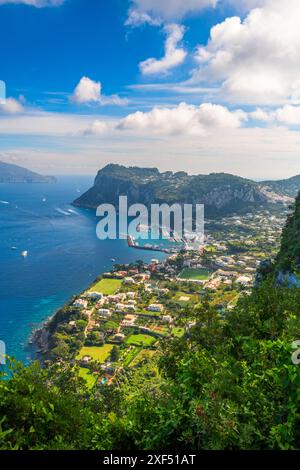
column 120, row 321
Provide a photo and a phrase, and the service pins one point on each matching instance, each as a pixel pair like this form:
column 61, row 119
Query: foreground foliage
column 228, row 383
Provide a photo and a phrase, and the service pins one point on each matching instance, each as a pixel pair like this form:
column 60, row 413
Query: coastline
column 38, row 341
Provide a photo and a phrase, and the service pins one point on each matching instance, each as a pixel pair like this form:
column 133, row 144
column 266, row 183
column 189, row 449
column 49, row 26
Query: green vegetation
column 288, row 258
column 194, row 274
column 177, row 331
column 220, row 378
column 115, row 354
column 230, row 385
column 140, row 340
column 86, row 375
column 96, row 353
column 143, row 355
column 148, row 313
column 171, row 188
column 130, row 355
column 107, row 286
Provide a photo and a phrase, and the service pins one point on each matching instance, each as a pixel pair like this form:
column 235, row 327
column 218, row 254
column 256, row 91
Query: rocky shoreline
column 40, row 340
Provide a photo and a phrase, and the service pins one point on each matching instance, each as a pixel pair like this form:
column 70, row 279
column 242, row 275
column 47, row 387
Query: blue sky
column 55, row 47
column 200, row 85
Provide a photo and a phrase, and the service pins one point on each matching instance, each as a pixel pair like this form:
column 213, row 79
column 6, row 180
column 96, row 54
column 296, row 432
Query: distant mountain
column 287, row 187
column 221, row 193
column 16, row 174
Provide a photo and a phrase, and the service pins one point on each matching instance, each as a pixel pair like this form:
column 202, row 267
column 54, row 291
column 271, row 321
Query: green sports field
column 140, row 340
column 99, row 354
column 194, row 274
column 107, row 286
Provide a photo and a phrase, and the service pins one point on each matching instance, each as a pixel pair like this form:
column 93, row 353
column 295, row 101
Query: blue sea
column 64, row 255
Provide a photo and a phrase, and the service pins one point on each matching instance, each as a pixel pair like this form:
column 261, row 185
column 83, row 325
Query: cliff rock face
column 221, row 193
column 16, row 174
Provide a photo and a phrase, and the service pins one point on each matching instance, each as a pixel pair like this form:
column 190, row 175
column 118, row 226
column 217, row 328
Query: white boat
column 24, row 254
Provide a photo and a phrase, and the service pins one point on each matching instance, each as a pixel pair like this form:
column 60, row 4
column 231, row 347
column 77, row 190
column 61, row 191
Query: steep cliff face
column 114, row 181
column 221, row 193
column 285, row 269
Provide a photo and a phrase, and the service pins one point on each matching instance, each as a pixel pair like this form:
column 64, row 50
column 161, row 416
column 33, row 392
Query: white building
column 131, row 295
column 80, row 303
column 104, row 312
column 129, row 280
column 167, row 318
column 244, row 280
column 94, row 295
column 155, row 308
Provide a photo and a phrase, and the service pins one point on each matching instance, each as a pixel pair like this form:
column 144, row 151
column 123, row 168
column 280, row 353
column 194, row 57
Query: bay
column 64, row 255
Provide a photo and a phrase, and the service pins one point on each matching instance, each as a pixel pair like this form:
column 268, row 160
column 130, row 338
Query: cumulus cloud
column 174, row 55
column 90, row 92
column 160, row 11
column 288, row 115
column 255, row 59
column 35, row 3
column 87, row 91
column 97, row 128
column 11, row 106
column 261, row 115
column 184, row 119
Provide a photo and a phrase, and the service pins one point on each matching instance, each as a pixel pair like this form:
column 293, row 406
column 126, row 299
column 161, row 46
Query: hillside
column 223, row 379
column 220, row 192
column 10, row 173
column 287, row 187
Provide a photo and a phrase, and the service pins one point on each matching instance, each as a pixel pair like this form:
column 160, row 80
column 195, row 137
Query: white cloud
column 35, row 3
column 136, row 18
column 160, row 11
column 115, row 100
column 183, row 119
column 261, row 115
column 174, row 55
column 40, row 123
column 88, row 92
column 244, row 5
column 288, row 115
column 255, row 60
column 262, row 151
column 11, row 106
column 97, row 128
column 56, row 145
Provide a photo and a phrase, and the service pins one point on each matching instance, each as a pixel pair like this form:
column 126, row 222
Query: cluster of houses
column 228, row 269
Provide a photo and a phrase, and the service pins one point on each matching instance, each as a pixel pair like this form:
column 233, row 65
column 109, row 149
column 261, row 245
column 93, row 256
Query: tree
column 115, row 354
